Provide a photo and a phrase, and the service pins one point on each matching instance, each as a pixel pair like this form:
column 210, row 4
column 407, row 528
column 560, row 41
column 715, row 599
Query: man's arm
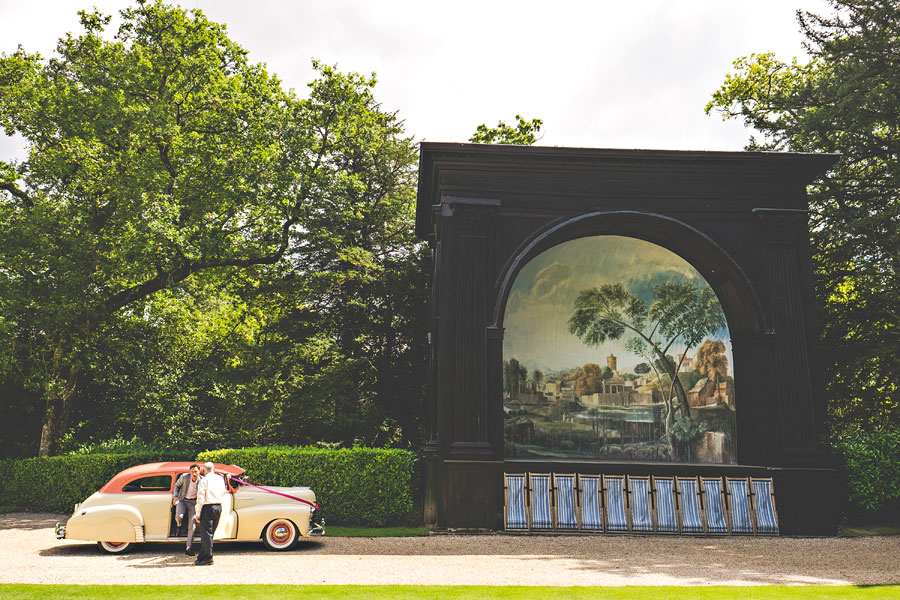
column 201, row 497
column 179, row 483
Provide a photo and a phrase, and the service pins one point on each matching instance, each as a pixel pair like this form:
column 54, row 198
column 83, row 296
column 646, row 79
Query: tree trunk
column 56, row 414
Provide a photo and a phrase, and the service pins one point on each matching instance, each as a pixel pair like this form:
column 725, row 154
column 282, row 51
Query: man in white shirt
column 210, row 493
column 184, row 497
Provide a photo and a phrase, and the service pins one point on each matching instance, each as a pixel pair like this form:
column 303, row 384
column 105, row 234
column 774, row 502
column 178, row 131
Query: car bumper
column 316, row 529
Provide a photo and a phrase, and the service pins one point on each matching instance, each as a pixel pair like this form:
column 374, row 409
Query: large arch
column 739, row 299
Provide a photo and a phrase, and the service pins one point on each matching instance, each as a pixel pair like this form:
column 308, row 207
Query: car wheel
column 280, row 534
column 114, row 547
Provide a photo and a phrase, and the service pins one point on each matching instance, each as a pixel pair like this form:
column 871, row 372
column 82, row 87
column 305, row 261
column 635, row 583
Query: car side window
column 154, row 483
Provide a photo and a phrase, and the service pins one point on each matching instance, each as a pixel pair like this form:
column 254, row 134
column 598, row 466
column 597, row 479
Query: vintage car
column 136, row 506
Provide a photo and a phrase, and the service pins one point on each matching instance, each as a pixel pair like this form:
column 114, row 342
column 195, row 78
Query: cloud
column 550, row 280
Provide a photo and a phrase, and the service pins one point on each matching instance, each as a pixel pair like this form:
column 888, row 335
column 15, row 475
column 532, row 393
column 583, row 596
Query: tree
column 163, row 155
column 524, row 133
column 537, row 376
column 711, row 361
column 589, row 379
column 680, row 312
column 844, row 99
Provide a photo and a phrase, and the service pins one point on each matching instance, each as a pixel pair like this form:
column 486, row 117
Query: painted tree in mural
column 680, row 313
column 711, row 361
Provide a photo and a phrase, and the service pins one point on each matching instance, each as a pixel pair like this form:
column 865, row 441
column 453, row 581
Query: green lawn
column 354, row 592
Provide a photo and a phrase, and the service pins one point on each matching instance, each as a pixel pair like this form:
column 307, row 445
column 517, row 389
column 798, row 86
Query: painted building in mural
column 616, row 348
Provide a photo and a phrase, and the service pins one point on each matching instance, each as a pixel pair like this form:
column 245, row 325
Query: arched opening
column 617, row 348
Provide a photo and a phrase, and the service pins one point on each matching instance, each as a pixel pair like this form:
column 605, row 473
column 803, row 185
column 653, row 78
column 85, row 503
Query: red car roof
column 161, row 468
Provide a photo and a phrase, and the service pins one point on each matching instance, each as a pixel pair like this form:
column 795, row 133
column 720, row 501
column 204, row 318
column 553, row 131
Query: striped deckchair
column 714, row 494
column 589, row 489
column 541, row 501
column 566, row 501
column 739, row 495
column 691, row 506
column 763, row 497
column 641, row 504
column 514, row 515
column 666, row 505
column 614, row 488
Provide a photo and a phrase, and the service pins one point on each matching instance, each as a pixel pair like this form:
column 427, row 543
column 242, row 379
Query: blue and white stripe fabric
column 739, row 491
column 640, row 504
column 615, row 503
column 591, row 520
column 515, row 502
column 715, row 508
column 540, row 502
column 565, row 502
column 667, row 520
column 690, row 506
column 765, row 510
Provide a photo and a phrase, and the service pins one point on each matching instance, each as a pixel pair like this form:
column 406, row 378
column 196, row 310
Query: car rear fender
column 110, row 523
column 252, row 520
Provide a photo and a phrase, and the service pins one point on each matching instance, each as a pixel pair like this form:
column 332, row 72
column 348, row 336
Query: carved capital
column 783, row 226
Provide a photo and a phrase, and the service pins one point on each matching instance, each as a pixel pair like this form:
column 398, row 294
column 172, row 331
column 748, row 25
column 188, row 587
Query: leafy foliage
column 188, row 238
column 872, row 464
column 56, row 483
column 523, row 133
column 354, row 486
column 843, row 100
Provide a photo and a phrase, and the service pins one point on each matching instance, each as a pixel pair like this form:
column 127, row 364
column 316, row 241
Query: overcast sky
column 601, row 73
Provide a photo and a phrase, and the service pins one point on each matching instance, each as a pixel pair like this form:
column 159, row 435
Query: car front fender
column 253, row 519
column 110, row 523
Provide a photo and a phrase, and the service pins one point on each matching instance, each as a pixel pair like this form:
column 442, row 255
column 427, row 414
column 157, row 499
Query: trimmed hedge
column 353, row 486
column 872, row 465
column 56, row 483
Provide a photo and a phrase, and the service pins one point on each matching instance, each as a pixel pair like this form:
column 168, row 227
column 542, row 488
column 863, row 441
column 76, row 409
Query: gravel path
column 30, row 553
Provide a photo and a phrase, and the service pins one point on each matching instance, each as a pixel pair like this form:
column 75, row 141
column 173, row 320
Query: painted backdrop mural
column 616, row 348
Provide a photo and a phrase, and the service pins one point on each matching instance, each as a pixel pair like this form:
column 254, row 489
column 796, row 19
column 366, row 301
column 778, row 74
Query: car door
column 152, row 496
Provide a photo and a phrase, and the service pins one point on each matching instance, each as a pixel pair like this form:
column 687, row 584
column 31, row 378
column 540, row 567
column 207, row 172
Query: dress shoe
column 203, row 564
column 189, row 552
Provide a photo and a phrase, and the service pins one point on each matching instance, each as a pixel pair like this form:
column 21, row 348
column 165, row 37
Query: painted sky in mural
column 543, row 296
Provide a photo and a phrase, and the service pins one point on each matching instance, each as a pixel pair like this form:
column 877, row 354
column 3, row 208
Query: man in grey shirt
column 185, row 500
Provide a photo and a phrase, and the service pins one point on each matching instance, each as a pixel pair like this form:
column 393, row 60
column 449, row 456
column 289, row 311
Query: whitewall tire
column 114, row 547
column 280, row 534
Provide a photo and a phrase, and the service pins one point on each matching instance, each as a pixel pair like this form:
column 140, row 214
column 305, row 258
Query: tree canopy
column 176, row 195
column 522, row 133
column 844, row 100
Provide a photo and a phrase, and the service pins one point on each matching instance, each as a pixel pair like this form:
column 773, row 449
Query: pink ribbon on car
column 259, row 487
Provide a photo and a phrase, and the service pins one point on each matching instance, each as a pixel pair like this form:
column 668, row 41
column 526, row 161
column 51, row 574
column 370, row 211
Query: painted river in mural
column 616, row 348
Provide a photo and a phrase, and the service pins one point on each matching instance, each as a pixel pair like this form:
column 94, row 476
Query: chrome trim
column 138, row 533
column 317, row 529
column 60, row 531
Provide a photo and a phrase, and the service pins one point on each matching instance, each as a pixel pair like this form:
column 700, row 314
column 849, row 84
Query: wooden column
column 785, row 231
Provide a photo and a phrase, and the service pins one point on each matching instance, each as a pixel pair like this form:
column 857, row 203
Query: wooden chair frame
column 732, row 503
column 658, row 496
column 600, row 508
column 722, row 497
column 651, row 507
column 625, row 508
column 525, row 510
column 755, row 509
column 576, row 513
column 682, row 503
column 550, row 501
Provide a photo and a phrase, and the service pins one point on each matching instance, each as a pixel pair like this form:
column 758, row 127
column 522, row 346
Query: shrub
column 56, row 483
column 353, row 486
column 872, row 463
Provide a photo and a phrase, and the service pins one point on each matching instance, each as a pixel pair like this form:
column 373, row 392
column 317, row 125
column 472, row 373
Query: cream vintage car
column 136, row 506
